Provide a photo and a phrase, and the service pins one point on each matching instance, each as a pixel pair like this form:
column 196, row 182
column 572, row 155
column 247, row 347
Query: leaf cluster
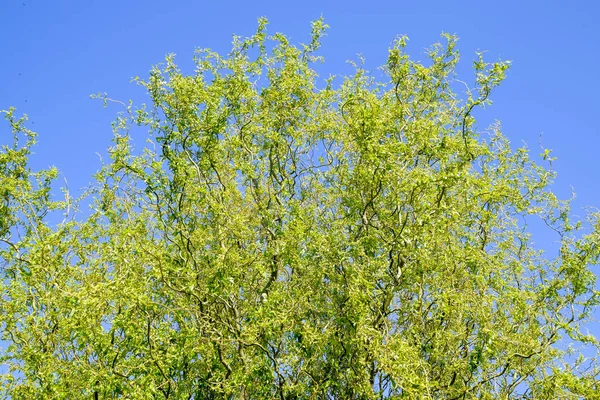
column 279, row 236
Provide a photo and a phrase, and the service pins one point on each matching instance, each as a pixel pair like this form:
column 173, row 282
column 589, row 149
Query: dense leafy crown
column 285, row 237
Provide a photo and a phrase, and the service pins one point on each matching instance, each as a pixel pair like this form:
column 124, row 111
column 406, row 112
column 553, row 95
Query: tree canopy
column 272, row 234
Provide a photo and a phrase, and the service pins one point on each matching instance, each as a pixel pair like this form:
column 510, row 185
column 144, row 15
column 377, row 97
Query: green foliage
column 285, row 237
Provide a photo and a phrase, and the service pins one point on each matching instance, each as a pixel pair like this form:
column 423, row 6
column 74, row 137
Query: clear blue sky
column 56, row 53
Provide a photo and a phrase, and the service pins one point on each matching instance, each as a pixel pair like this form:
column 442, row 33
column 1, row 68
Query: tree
column 284, row 237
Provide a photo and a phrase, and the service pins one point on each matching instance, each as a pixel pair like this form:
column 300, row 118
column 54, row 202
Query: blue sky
column 56, row 53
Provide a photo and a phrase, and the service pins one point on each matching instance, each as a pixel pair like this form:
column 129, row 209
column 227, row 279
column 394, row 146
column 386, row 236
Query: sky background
column 56, row 53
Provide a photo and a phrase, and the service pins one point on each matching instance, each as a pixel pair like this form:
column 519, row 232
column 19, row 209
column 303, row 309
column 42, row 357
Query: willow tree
column 279, row 236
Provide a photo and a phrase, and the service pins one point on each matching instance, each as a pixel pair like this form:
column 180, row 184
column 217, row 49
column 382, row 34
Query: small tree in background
column 283, row 238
